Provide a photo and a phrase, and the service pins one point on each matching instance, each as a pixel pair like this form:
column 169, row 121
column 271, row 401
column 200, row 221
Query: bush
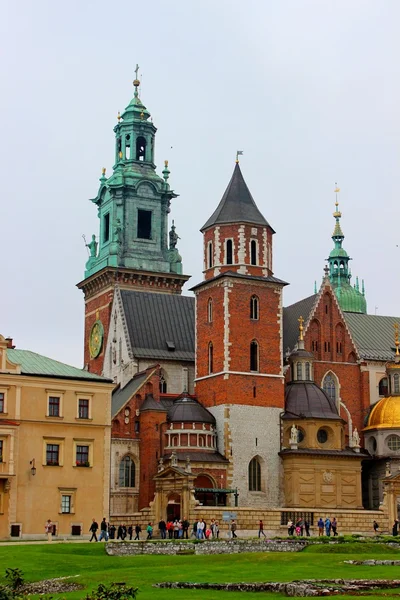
column 15, row 578
column 115, row 591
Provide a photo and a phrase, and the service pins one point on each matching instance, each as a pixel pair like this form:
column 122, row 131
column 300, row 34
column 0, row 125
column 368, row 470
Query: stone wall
column 221, row 547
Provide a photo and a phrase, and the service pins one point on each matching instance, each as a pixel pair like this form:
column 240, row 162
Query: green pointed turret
column 134, row 202
column 350, row 298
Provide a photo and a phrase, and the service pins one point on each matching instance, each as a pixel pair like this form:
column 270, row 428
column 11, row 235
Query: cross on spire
column 136, row 71
column 301, row 328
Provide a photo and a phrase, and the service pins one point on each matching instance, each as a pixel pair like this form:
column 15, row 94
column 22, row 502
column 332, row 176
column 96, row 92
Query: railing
column 296, row 516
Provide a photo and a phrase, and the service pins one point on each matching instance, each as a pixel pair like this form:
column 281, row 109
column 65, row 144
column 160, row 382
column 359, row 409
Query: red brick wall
column 242, row 331
column 232, row 232
column 327, row 328
column 97, row 308
column 151, row 426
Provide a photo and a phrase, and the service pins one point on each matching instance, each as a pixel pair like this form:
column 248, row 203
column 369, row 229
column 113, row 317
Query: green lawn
column 94, row 566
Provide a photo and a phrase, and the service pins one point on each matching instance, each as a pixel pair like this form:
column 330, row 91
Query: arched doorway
column 174, row 507
column 206, row 498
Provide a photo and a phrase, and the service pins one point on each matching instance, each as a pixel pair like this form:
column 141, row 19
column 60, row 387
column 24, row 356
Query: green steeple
column 350, row 298
column 134, row 202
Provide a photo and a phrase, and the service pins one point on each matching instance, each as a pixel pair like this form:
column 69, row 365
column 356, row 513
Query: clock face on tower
column 96, row 339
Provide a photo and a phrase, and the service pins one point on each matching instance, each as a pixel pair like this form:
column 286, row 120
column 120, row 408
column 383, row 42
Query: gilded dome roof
column 385, row 414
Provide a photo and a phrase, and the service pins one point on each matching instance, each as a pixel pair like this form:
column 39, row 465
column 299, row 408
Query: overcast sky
column 309, row 90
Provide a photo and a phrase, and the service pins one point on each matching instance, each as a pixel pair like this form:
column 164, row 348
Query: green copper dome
column 350, row 298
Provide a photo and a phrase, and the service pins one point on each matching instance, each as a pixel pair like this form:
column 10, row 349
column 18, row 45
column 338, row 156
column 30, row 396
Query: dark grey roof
column 121, row 396
column 373, row 335
column 189, row 410
column 237, row 205
column 235, row 275
column 347, row 452
column 291, row 315
column 306, row 399
column 154, row 319
column 150, row 403
column 198, row 456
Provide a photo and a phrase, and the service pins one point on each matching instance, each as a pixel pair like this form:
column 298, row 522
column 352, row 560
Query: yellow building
column 54, row 445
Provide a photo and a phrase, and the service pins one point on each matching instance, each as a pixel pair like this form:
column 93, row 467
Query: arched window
column 127, row 472
column 201, row 441
column 315, row 337
column 396, row 383
column 175, row 440
column 163, row 384
column 329, row 386
column 141, row 148
column 299, row 371
column 254, row 475
column 308, row 372
column 253, row 252
column 127, row 146
column 210, row 310
column 210, row 358
column 254, row 356
column 209, row 255
column 383, row 387
column 229, row 252
column 254, row 308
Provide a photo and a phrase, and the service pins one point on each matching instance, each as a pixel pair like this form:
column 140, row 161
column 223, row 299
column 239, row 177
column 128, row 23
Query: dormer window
column 141, row 148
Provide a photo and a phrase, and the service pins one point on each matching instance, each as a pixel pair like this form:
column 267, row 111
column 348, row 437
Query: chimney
column 9, row 341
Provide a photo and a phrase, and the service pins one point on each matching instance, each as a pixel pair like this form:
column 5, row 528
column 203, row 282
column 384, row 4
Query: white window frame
column 58, row 441
column 257, row 253
column 4, row 390
column 65, row 491
column 56, row 394
column 83, row 442
column 226, row 251
column 80, row 396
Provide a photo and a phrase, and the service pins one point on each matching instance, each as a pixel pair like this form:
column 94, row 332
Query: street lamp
column 33, row 468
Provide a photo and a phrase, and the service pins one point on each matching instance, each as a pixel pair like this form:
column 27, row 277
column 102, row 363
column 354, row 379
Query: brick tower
column 132, row 249
column 239, row 372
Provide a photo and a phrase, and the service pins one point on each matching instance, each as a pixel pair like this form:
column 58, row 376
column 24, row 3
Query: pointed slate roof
column 237, row 205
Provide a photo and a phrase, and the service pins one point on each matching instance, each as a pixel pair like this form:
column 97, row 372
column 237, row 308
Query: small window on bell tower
column 106, row 227
column 253, row 252
column 229, row 252
column 127, row 147
column 141, row 148
column 144, row 224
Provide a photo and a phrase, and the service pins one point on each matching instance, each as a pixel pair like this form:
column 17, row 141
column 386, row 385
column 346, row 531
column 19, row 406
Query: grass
column 94, row 566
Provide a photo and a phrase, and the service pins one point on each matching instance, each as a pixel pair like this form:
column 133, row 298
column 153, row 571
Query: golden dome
column 385, row 414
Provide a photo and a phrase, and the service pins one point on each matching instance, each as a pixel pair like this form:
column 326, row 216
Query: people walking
column 93, row 529
column 130, row 531
column 307, row 527
column 185, row 527
column 138, row 530
column 334, row 526
column 170, row 529
column 112, row 530
column 290, row 527
column 376, row 527
column 328, row 526
column 49, row 530
column 149, row 530
column 261, row 529
column 200, row 529
column 233, row 528
column 103, row 530
column 162, row 526
column 395, row 528
column 320, row 526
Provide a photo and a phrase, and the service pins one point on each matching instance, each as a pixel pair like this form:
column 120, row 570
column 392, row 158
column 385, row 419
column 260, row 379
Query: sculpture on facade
column 293, row 434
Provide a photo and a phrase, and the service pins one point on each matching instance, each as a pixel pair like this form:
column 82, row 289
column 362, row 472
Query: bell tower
column 239, row 370
column 133, row 248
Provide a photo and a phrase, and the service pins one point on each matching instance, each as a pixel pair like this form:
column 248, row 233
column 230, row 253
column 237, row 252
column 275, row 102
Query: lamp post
column 33, row 468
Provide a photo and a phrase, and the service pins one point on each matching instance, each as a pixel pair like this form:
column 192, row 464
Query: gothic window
column 329, row 386
column 106, row 227
column 254, row 475
column 209, row 255
column 254, row 308
column 141, row 148
column 144, row 224
column 299, row 371
column 308, row 372
column 175, row 440
column 383, row 387
column 210, row 358
column 339, row 341
column 163, row 384
column 253, row 252
column 210, row 310
column 396, row 383
column 315, row 335
column 127, row 472
column 229, row 252
column 254, row 356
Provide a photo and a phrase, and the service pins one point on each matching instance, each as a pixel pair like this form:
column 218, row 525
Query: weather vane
column 238, row 153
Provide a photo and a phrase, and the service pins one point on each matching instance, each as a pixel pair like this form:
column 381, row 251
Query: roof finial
column 315, row 286
column 301, row 328
column 136, row 81
column 238, row 153
column 119, row 116
column 396, row 338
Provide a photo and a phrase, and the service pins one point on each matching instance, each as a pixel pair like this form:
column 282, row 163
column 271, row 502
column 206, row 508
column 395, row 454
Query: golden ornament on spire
column 166, row 164
column 119, row 116
column 301, row 328
column 103, row 171
column 396, row 338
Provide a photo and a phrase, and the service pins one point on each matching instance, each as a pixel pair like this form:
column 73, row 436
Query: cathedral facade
column 225, row 397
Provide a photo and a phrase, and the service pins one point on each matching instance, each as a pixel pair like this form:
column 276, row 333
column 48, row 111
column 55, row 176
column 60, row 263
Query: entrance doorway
column 174, row 507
